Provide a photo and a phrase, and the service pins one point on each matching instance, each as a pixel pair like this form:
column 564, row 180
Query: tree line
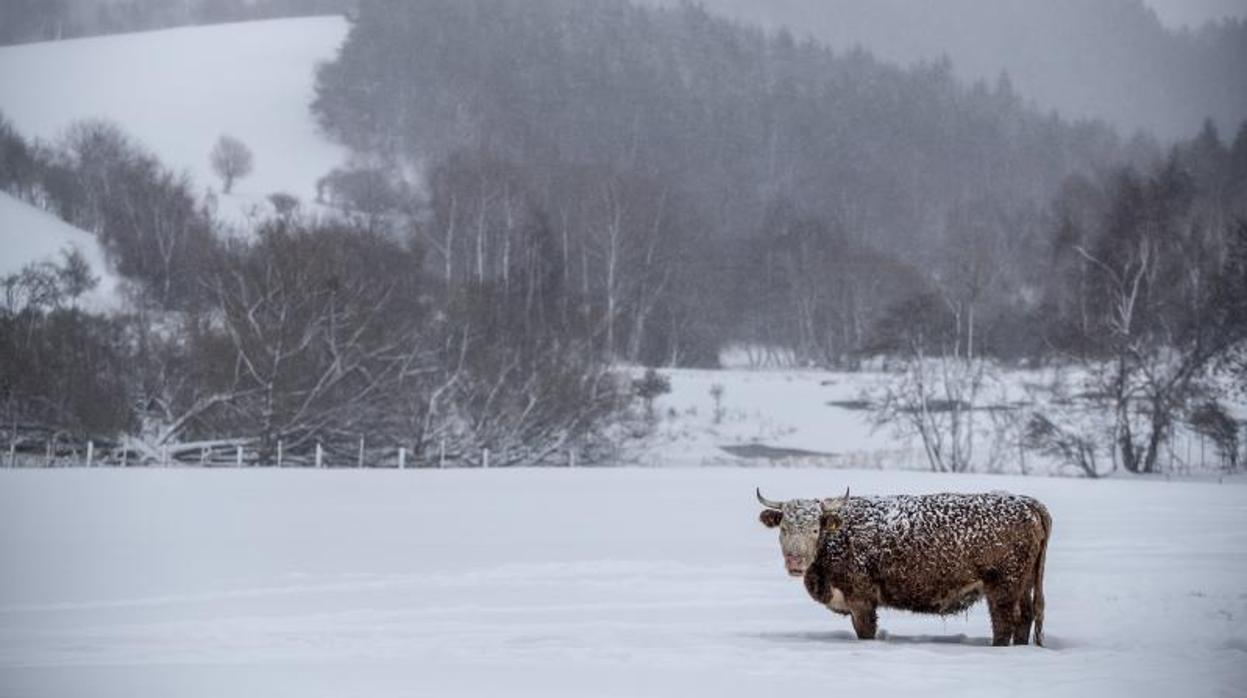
column 706, row 182
column 1111, row 59
column 315, row 331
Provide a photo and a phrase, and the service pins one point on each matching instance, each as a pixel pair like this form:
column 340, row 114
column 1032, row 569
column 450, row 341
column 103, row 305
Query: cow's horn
column 768, row 503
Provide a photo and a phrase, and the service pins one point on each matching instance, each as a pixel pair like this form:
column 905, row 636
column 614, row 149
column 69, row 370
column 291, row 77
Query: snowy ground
column 176, row 91
column 28, row 235
column 798, row 417
column 621, row 582
column 797, row 413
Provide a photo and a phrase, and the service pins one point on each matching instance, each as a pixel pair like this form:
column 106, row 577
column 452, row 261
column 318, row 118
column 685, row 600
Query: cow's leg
column 1002, row 603
column 1026, row 618
column 865, row 621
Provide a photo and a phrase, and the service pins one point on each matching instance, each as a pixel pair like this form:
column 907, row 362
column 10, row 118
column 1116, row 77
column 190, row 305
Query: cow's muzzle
column 796, row 566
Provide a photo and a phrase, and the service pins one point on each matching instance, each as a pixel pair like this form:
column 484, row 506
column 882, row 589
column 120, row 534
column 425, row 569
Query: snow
column 177, row 91
column 781, row 409
column 616, row 582
column 809, row 417
column 29, row 235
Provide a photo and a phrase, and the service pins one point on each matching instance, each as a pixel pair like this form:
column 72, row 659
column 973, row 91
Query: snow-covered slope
column 611, row 582
column 177, row 91
column 29, row 235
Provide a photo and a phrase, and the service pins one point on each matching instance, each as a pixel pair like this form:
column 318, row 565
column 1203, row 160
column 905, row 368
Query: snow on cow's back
column 959, row 517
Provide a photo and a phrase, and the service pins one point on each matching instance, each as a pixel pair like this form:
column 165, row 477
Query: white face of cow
column 800, row 523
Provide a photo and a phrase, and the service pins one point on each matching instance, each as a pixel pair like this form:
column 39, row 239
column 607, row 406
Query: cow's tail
column 1040, row 560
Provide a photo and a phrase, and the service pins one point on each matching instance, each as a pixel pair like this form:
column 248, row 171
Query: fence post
column 361, row 452
column 402, row 458
column 485, row 458
column 13, row 454
column 90, row 454
column 320, row 456
column 164, row 456
column 238, row 456
column 125, row 455
column 279, row 453
column 48, row 456
column 441, row 454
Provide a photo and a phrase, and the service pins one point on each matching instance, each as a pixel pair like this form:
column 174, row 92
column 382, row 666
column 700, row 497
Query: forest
column 1114, row 60
column 541, row 191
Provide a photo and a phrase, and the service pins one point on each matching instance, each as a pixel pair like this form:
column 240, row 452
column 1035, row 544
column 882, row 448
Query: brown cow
column 935, row 554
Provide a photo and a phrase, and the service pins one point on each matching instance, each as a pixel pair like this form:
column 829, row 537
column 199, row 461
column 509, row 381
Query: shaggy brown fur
column 935, row 554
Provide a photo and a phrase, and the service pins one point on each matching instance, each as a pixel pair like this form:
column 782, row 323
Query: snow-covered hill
column 587, row 582
column 28, row 235
column 177, row 91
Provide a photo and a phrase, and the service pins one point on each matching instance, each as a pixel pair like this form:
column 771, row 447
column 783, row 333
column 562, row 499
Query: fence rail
column 27, row 453
column 1185, row 453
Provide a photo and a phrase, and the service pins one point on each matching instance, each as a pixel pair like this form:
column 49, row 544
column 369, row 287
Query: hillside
column 176, row 91
column 28, row 235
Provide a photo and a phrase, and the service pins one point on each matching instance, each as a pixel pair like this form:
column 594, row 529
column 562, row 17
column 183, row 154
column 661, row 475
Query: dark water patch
column 852, row 405
column 764, row 452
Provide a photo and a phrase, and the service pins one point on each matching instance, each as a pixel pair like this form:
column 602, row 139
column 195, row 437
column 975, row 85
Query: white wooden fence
column 243, row 454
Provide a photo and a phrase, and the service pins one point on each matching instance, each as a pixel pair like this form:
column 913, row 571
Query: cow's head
column 800, row 523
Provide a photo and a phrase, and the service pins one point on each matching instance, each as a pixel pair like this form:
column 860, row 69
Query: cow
column 937, row 554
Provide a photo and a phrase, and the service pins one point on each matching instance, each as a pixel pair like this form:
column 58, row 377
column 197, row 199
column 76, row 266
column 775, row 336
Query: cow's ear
column 832, row 522
column 770, row 518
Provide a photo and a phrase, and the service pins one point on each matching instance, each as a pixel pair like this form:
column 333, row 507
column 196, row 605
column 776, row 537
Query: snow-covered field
column 797, row 413
column 176, row 91
column 621, row 582
column 28, row 235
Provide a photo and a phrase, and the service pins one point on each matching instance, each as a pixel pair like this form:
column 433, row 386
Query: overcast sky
column 1176, row 13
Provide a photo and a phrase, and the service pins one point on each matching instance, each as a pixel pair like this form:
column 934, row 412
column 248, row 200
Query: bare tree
column 939, row 389
column 75, row 274
column 1162, row 309
column 231, row 160
column 935, row 398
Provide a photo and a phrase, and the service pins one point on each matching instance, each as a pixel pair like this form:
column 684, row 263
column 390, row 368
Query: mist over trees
column 1106, row 59
column 642, row 132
